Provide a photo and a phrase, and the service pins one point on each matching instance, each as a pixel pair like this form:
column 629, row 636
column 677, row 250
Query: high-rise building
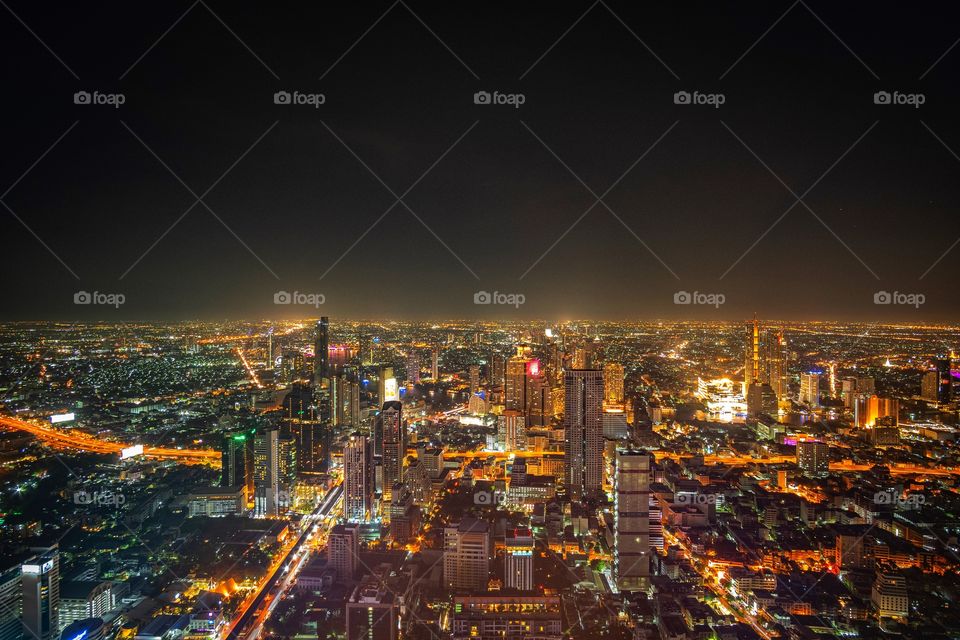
column 515, row 381
column 613, row 383
column 40, row 578
column 761, row 400
column 632, row 521
column 343, row 548
column 372, row 611
column 387, row 388
column 583, row 431
column 752, row 369
column 286, row 472
column 466, row 555
column 321, row 350
column 777, row 365
column 474, row 374
column 518, row 560
column 497, row 370
column 512, row 430
column 435, row 364
column 394, row 446
column 889, row 594
column 357, row 479
column 266, row 473
column 810, row 389
column 813, row 458
column 944, row 380
column 539, row 399
column 872, row 410
column 930, row 386
column 236, row 457
column 83, row 599
column 413, row 367
column 11, row 597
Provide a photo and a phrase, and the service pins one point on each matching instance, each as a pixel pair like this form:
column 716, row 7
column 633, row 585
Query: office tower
column 751, row 368
column 347, row 412
column 372, row 611
column 889, row 594
column 387, row 389
column 518, row 560
column 40, row 578
column 466, row 555
column 357, row 479
column 394, row 446
column 539, row 396
column 632, row 521
column 435, row 364
column 286, row 471
column 778, row 375
column 513, row 431
column 515, row 385
column 312, row 442
column 404, row 515
column 874, row 410
column 583, row 426
column 321, row 350
column 810, row 389
column 497, row 370
column 474, row 373
column 266, row 473
column 944, row 380
column 269, row 362
column 236, row 457
column 930, row 386
column 11, row 597
column 413, row 367
column 813, row 458
column 613, row 383
column 761, row 400
column 615, row 425
column 343, row 547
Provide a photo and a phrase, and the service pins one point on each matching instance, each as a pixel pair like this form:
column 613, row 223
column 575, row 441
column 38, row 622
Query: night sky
column 502, row 184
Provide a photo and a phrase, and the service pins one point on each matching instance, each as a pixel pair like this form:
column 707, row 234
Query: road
column 252, row 615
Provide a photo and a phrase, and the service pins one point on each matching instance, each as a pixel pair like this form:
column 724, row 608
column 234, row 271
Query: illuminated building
column 870, row 411
column 286, row 472
column 538, row 397
column 944, row 380
column 413, row 367
column 435, row 364
column 215, row 502
column 404, row 515
column 583, row 432
column 82, row 599
column 632, row 521
column 722, row 398
column 752, row 371
column 372, row 611
column 761, row 399
column 889, row 595
column 357, row 479
column 614, row 422
column 11, row 594
column 810, row 389
column 474, row 374
column 613, row 383
column 40, row 604
column 507, row 617
column 466, row 555
column 497, row 370
column 85, row 629
column 511, row 426
column 236, row 468
column 387, row 390
column 266, row 474
column 394, row 446
column 518, row 560
column 930, row 386
column 515, row 381
column 343, row 547
column 321, row 351
column 813, row 458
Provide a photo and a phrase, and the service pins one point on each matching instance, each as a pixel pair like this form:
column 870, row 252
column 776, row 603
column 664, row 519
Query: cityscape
column 414, row 320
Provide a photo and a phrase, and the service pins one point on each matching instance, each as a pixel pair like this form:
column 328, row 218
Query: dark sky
column 800, row 97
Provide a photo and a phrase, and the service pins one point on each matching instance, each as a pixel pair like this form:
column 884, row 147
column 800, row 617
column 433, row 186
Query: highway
column 254, row 612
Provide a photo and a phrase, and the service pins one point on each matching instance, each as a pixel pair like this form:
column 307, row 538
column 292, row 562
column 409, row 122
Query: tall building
column 944, row 380
column 813, row 458
column 512, row 430
column 435, row 364
column 889, row 594
column 515, row 381
column 761, row 400
column 11, row 597
column 83, row 599
column 466, row 555
column 632, row 521
column 343, row 548
column 497, row 370
column 874, row 410
column 357, row 479
column 810, row 389
column 474, row 374
column 539, row 399
column 266, row 473
column 236, row 458
column 751, row 368
column 930, row 386
column 387, row 388
column 394, row 446
column 321, row 350
column 613, row 383
column 413, row 367
column 583, row 431
column 286, row 472
column 777, row 365
column 40, row 578
column 518, row 560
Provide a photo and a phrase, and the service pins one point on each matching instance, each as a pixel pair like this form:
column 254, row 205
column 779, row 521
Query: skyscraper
column 944, row 380
column 321, row 350
column 813, row 458
column 11, row 598
column 613, row 383
column 632, row 520
column 474, row 373
column 466, row 555
column 751, row 368
column 41, row 594
column 394, row 446
column 810, row 389
column 777, row 366
column 413, row 367
column 583, row 426
column 266, row 473
column 518, row 560
column 387, row 390
column 357, row 479
column 435, row 364
column 236, row 458
column 497, row 370
column 515, row 384
column 512, row 430
column 343, row 547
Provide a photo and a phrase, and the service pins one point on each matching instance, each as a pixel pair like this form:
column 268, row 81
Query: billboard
column 131, row 452
column 57, row 418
